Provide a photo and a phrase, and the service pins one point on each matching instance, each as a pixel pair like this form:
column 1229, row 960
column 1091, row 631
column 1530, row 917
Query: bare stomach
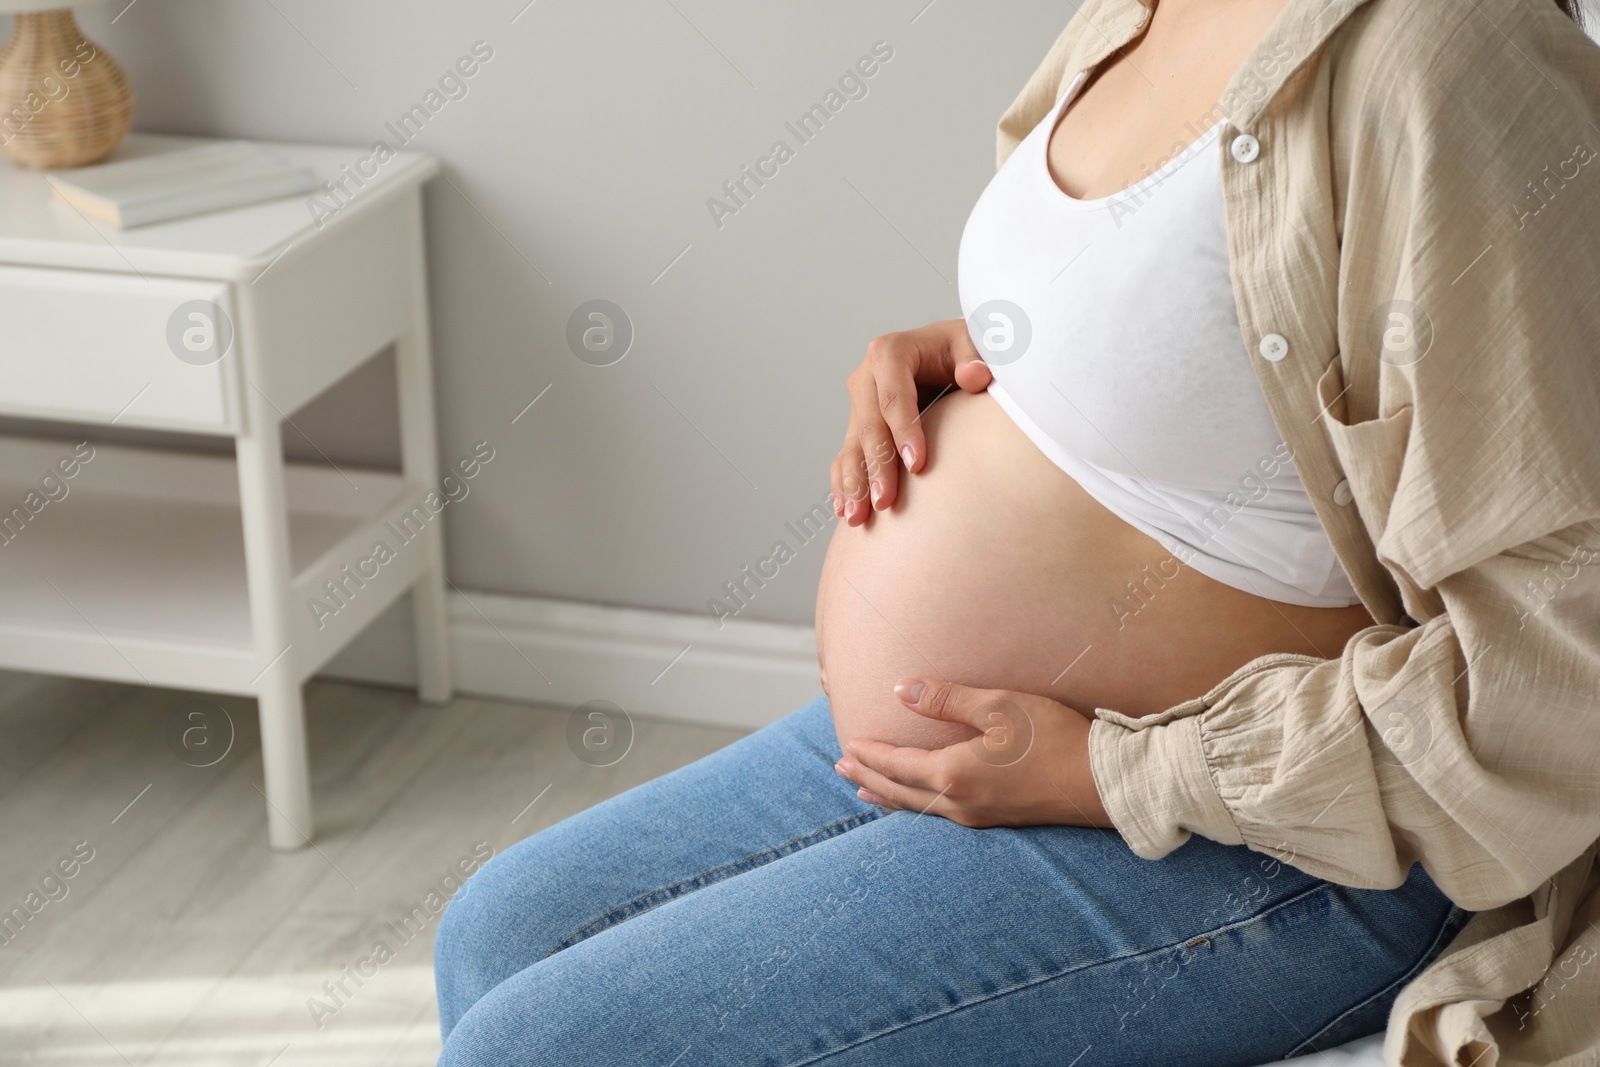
column 995, row 569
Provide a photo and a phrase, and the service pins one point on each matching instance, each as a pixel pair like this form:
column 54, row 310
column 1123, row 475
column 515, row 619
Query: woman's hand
column 885, row 428
column 1030, row 766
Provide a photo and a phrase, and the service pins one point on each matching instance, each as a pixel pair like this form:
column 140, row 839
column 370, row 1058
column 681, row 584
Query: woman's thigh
column 912, row 940
column 763, row 797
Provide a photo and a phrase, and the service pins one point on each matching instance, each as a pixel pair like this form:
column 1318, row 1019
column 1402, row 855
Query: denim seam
column 657, row 897
column 1422, row 961
column 1324, row 887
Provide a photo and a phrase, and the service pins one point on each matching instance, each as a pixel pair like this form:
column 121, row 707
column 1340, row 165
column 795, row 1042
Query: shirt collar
column 1300, row 29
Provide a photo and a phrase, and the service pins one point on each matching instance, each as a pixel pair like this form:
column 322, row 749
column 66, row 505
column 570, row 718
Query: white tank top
column 1111, row 330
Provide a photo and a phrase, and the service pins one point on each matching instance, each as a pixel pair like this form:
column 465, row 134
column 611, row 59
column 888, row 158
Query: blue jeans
column 750, row 909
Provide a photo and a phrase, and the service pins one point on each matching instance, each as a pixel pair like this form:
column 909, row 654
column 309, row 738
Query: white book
column 190, row 181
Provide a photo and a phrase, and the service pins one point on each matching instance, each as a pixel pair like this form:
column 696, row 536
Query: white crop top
column 1111, row 331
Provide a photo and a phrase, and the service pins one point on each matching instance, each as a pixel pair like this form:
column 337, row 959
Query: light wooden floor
column 184, row 941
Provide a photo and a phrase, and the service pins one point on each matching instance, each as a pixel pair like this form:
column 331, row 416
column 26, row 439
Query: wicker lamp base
column 64, row 101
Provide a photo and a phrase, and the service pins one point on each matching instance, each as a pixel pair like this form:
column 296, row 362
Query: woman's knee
column 628, row 1003
column 516, row 1024
column 496, row 925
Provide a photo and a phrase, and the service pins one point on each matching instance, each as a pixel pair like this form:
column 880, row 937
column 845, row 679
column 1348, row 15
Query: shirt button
column 1245, row 148
column 1341, row 493
column 1273, row 347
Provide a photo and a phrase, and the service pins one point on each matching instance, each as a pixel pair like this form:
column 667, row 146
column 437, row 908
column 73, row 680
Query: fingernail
column 877, row 492
column 844, row 771
column 910, row 692
column 838, row 504
column 849, row 509
column 909, row 455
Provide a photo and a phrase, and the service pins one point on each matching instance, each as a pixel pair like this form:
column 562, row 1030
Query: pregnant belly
column 995, row 569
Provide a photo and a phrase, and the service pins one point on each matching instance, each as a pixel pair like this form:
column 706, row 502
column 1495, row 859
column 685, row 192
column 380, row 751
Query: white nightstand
column 198, row 571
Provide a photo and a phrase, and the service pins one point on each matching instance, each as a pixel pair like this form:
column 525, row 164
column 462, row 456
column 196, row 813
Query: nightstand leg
column 285, row 763
column 430, row 611
column 264, row 512
column 419, row 458
column 431, row 625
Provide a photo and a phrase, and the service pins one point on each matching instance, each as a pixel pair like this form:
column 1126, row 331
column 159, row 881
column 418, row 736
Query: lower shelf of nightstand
column 137, row 572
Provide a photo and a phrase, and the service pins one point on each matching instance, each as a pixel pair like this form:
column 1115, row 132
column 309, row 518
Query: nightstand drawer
column 81, row 345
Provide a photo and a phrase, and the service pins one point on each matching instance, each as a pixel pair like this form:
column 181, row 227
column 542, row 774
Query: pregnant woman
column 1211, row 638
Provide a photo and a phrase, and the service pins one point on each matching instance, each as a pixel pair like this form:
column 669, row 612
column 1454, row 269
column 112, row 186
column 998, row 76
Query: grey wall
column 579, row 165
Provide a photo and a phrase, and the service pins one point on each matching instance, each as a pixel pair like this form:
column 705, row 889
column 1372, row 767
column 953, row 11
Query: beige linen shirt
column 1412, row 191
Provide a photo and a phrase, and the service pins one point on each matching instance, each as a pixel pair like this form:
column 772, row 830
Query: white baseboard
column 746, row 674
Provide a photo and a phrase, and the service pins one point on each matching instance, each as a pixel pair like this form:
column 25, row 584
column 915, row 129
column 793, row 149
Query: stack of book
column 172, row 185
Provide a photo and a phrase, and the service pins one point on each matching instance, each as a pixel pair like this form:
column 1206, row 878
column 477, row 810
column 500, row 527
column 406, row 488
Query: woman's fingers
column 849, row 480
column 879, row 467
column 836, row 483
column 974, row 375
column 886, row 429
column 882, row 465
column 890, row 793
column 970, row 372
column 977, row 708
column 896, row 361
column 915, row 768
